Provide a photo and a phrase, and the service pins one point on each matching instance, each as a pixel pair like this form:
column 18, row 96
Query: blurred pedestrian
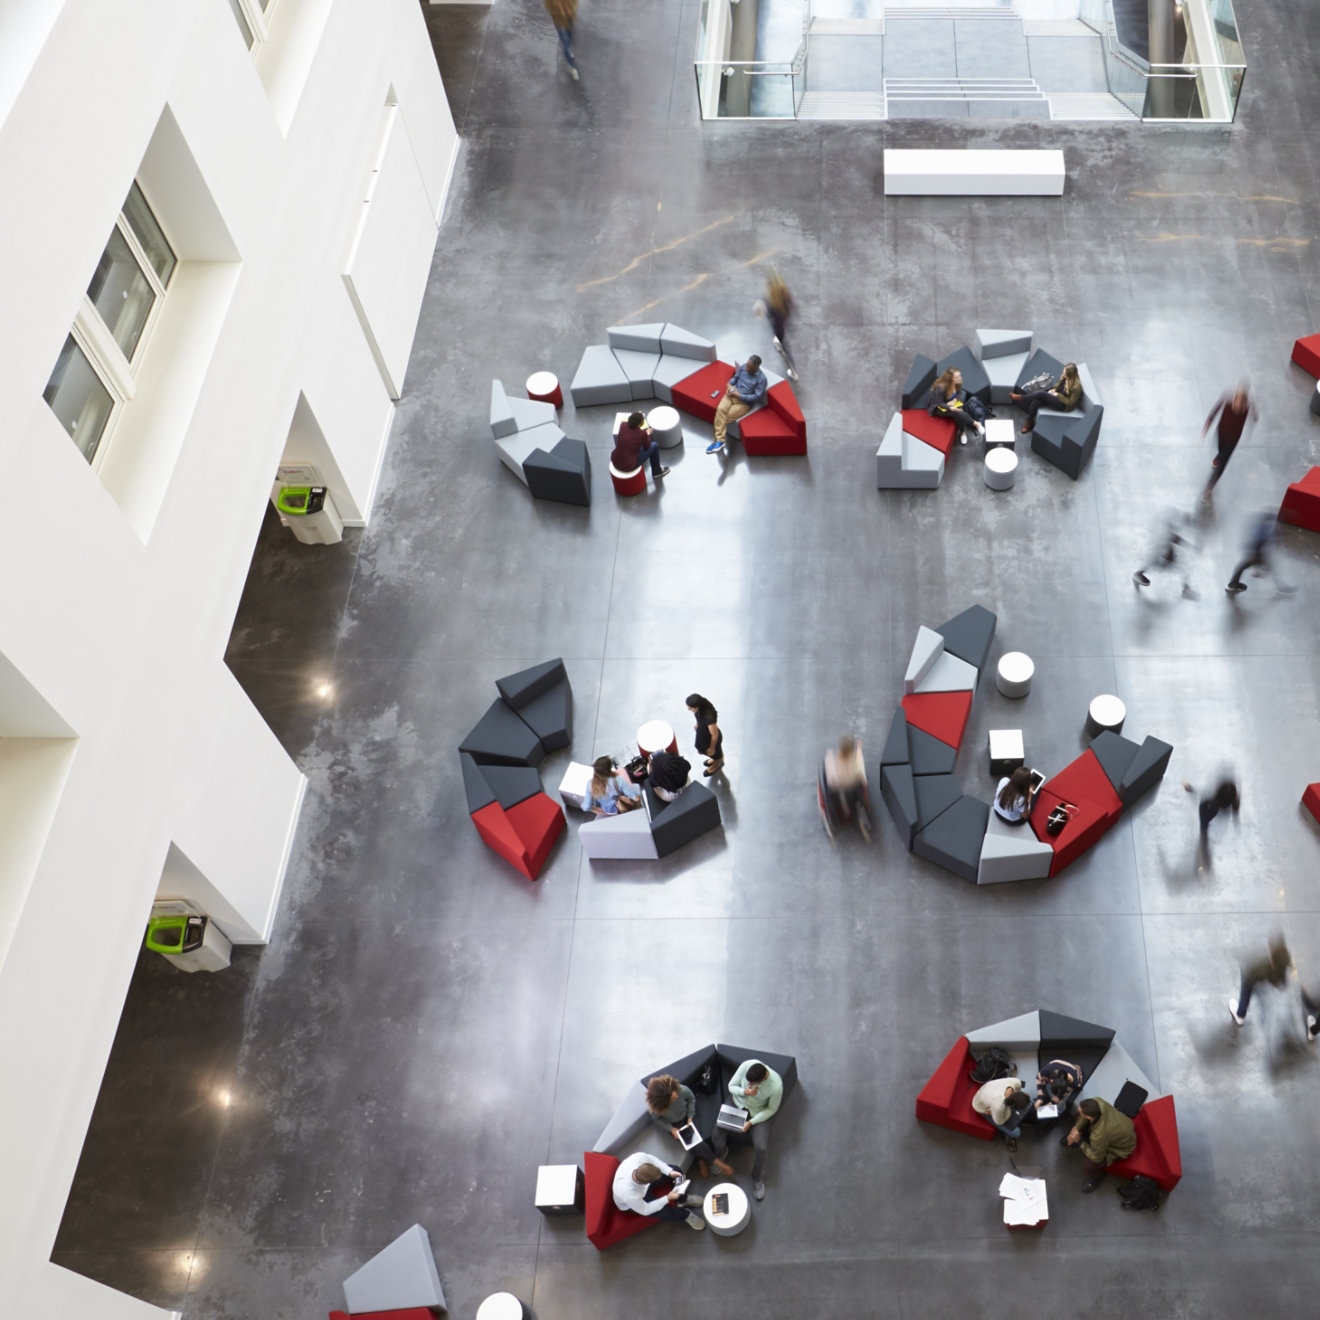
column 1225, row 797
column 1264, row 530
column 709, row 739
column 1164, row 554
column 779, row 307
column 563, row 13
column 1234, row 410
column 1272, row 967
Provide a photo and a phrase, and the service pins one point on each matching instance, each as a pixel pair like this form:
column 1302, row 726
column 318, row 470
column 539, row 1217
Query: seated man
column 667, row 774
column 1104, row 1135
column 634, row 443
column 646, row 1185
column 746, row 389
column 1003, row 1104
column 1056, row 1084
column 758, row 1090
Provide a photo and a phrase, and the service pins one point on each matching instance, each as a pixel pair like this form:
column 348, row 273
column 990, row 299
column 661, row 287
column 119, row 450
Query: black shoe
column 1092, row 1183
column 1141, row 579
column 1234, row 587
column 1011, row 1143
column 664, row 472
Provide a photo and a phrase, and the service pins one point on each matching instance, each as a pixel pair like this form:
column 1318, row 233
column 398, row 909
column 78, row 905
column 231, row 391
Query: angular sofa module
column 1157, row 1154
column 669, row 371
column 935, row 794
column 953, row 839
column 943, row 715
column 937, row 432
column 527, row 684
column 511, row 784
column 639, row 368
column 990, row 344
column 889, row 456
column 627, row 836
column 968, row 635
column 550, row 717
column 1115, row 754
column 1301, row 502
column 500, row 737
column 476, row 787
column 1086, row 823
column 1040, row 363
column 949, row 673
column 946, row 1100
column 606, row 1223
column 502, row 420
column 1306, row 353
column 514, row 450
column 926, row 650
column 1010, row 853
column 636, row 338
column 1003, row 374
column 921, row 376
column 975, row 380
column 563, row 474
column 599, row 378
column 701, row 392
column 895, row 750
column 683, row 343
column 1018, row 1035
column 1115, row 1069
column 900, row 795
column 1311, row 799
column 1065, row 441
column 928, row 755
column 1145, row 771
column 767, row 433
column 694, row 812
column 401, row 1276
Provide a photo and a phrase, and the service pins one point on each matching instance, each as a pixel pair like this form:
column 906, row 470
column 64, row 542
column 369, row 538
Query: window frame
column 256, row 16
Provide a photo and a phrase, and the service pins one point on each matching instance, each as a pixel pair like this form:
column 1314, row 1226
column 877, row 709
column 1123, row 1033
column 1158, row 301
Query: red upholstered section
column 1301, row 502
column 692, row 393
column 538, row 821
column 409, row 1313
column 606, row 1223
column 943, row 715
column 1086, row 826
column 765, row 432
column 498, row 834
column 1306, row 353
column 1311, row 800
column 1157, row 1154
column 936, row 431
column 783, row 402
column 1085, row 781
column 947, row 1098
column 632, row 484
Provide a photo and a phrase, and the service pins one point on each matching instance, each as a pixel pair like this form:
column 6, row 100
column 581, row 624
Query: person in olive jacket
column 1104, row 1135
column 1063, row 396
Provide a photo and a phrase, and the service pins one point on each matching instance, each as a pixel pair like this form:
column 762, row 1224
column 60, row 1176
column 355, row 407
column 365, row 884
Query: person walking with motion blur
column 1235, row 409
column 1264, row 529
column 779, row 307
column 1272, row 967
column 563, row 13
column 1164, row 554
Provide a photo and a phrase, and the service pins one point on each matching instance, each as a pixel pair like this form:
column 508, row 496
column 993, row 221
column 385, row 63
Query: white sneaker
column 573, row 73
column 695, row 1221
column 1310, row 1026
column 1232, row 1008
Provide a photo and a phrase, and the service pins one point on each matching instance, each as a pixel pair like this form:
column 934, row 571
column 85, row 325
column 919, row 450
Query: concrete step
column 1088, row 105
column 842, row 105
column 847, row 27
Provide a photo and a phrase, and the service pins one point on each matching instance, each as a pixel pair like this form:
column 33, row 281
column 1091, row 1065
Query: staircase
column 934, row 98
column 1089, row 106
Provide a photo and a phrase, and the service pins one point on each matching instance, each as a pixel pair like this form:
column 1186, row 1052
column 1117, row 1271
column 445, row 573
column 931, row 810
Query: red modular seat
column 1086, row 824
column 523, row 835
column 943, row 715
column 1157, row 1154
column 1306, row 353
column 778, row 428
column 947, row 1098
column 935, row 431
column 408, row 1313
column 606, row 1223
column 1301, row 502
column 1311, row 800
column 700, row 393
column 784, row 402
column 1085, row 780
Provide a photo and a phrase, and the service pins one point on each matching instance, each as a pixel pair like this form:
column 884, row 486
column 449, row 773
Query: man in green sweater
column 758, row 1090
column 1104, row 1135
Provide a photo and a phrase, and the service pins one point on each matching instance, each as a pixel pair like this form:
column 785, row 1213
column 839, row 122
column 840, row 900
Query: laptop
column 732, row 1118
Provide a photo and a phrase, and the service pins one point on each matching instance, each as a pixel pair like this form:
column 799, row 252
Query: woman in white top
column 1015, row 795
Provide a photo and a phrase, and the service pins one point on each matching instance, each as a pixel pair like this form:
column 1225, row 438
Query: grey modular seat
column 509, row 415
column 989, row 344
column 400, row 1277
column 968, row 635
column 543, row 700
column 1066, row 440
column 903, row 462
column 500, row 737
column 694, row 812
column 514, row 450
column 599, row 378
column 975, row 379
column 921, row 376
column 1145, row 770
column 562, row 474
column 1011, row 852
column 954, row 838
column 898, row 788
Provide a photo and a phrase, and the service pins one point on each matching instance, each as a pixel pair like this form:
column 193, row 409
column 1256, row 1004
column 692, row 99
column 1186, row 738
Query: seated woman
column 668, row 774
column 611, row 791
column 1057, row 1083
column 1063, row 396
column 1015, row 795
column 949, row 399
column 673, row 1106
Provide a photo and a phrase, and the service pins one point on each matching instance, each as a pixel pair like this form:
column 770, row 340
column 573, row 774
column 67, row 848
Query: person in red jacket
column 635, row 443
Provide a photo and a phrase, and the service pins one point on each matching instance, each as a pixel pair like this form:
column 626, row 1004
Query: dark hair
column 1058, row 1087
column 1019, row 1102
column 1089, row 1108
column 706, row 713
column 636, row 420
column 753, row 362
column 758, row 1072
column 660, row 1092
column 1018, row 786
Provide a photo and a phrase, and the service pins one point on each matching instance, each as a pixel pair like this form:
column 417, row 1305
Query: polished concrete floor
column 426, row 1027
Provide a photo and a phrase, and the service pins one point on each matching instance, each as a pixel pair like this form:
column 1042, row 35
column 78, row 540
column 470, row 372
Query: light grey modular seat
column 989, row 344
column 1012, row 852
column 509, row 415
column 599, row 378
column 627, row 835
column 514, row 449
column 1020, row 1036
column 639, row 368
column 1117, row 1067
column 400, row 1277
column 926, row 650
column 683, row 343
column 636, row 338
column 902, row 462
column 1003, row 373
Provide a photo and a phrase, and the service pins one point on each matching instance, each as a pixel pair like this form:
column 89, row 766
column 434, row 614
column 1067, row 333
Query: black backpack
column 997, row 1062
column 1141, row 1193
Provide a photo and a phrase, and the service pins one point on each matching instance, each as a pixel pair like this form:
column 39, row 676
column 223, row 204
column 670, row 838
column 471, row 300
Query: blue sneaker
column 714, row 447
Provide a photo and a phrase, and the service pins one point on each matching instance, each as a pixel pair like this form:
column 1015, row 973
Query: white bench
column 1001, row 172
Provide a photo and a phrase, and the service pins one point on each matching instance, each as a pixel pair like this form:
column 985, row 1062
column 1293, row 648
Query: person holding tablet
column 673, row 1108
column 1015, row 795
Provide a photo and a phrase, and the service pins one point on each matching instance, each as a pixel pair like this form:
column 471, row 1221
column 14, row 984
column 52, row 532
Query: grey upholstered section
column 599, row 378
column 1012, row 852
column 953, row 839
column 400, row 1277
column 990, row 344
column 639, row 368
column 514, row 449
column 926, row 650
column 563, row 474
column 683, row 343
column 636, row 338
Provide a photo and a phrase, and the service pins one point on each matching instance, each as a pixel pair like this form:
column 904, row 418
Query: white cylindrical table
column 1106, row 712
column 738, row 1215
column 544, row 386
column 1014, row 673
column 1315, row 399
column 666, row 426
column 656, row 736
column 500, row 1306
column 1000, row 469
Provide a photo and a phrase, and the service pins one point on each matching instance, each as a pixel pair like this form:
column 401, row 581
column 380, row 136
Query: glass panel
column 77, row 397
column 745, row 89
column 121, row 293
column 146, row 229
column 241, row 19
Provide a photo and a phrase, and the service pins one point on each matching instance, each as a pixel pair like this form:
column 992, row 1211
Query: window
column 94, row 374
column 250, row 15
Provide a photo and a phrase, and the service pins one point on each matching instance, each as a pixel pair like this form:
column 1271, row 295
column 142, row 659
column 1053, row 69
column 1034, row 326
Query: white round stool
column 733, row 1220
column 1315, row 399
column 1014, row 674
column 544, row 387
column 1000, row 469
column 656, row 736
column 1107, row 712
column 666, row 426
column 500, row 1306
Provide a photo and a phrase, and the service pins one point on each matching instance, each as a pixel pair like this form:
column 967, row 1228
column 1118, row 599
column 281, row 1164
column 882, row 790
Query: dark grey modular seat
column 935, row 794
column 691, row 814
column 1115, row 753
column 898, row 790
column 563, row 474
column 528, row 684
column 968, row 635
column 953, row 839
column 1040, row 363
column 511, row 784
column 975, row 381
column 478, row 791
column 927, row 755
column 550, row 716
column 1147, row 769
column 896, row 745
column 500, row 737
column 919, row 380
column 1067, row 441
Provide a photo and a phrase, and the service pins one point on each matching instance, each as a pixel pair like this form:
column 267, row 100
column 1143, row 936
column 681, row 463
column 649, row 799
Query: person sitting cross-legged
column 1003, row 1104
column 1104, row 1135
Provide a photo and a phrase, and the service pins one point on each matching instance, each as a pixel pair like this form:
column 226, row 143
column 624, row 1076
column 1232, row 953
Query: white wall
column 119, row 586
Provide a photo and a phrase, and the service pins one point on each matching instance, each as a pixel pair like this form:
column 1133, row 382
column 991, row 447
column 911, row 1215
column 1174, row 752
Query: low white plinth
column 656, row 736
column 1000, row 431
column 1014, row 673
column 999, row 172
column 500, row 1306
column 1000, row 470
column 738, row 1216
column 575, row 785
column 666, row 426
column 1107, row 712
